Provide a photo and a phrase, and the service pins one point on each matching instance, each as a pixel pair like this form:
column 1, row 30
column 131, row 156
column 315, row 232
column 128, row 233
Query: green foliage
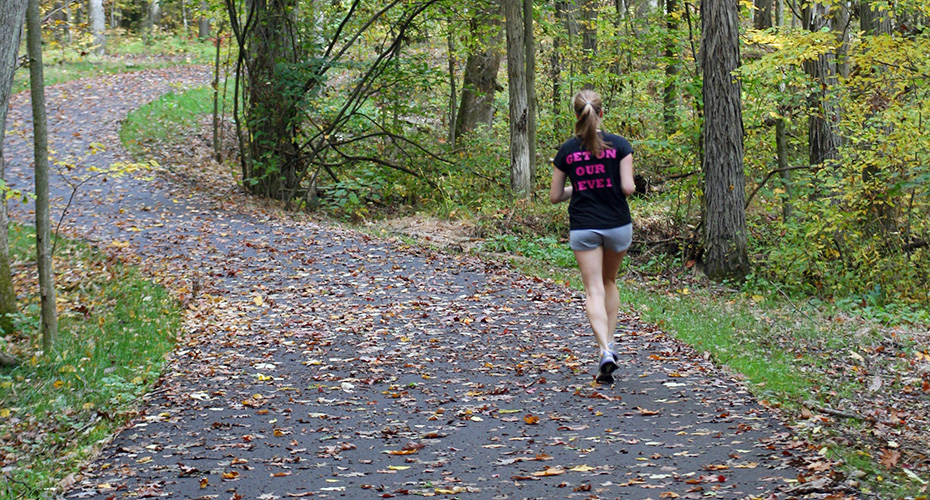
column 858, row 230
column 114, row 336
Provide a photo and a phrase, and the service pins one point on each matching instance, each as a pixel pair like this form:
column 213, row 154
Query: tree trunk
column 670, row 100
column 453, row 97
column 98, row 26
column 272, row 104
column 203, row 23
column 762, row 15
column 529, row 41
column 216, row 99
column 839, row 25
column 823, row 140
column 873, row 20
column 520, row 175
column 589, row 39
column 481, row 67
column 12, row 14
column 564, row 17
column 725, row 255
column 49, row 311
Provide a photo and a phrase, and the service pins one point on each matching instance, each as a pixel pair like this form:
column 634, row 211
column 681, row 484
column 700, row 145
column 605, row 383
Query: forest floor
column 320, row 361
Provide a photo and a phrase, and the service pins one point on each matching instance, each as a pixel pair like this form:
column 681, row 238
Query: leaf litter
column 310, row 352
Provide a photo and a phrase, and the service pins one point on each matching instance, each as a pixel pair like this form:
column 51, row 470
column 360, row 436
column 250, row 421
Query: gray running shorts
column 617, row 239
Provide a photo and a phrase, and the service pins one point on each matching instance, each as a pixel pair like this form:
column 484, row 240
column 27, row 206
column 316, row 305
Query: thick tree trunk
column 725, row 255
column 98, row 26
column 520, row 175
column 481, row 67
column 203, row 22
column 12, row 14
column 272, row 106
column 529, row 41
column 874, row 21
column 49, row 313
column 762, row 15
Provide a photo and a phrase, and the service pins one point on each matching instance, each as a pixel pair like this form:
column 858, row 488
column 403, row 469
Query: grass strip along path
column 317, row 361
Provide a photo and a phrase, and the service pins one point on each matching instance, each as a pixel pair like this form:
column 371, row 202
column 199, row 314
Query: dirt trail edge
column 321, row 362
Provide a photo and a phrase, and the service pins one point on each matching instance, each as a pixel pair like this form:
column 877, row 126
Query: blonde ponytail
column 588, row 107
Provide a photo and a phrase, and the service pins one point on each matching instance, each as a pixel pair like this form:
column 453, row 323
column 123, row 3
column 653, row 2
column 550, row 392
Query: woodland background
column 780, row 146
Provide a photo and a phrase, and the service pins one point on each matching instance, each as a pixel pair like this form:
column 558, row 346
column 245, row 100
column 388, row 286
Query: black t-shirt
column 597, row 199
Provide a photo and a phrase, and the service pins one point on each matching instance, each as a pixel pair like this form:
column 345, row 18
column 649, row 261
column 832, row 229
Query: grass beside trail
column 115, row 331
column 165, row 120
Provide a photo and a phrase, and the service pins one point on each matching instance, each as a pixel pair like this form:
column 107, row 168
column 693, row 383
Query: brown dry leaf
column 531, row 419
column 890, row 458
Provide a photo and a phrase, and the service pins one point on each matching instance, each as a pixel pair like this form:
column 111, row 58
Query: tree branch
column 769, row 176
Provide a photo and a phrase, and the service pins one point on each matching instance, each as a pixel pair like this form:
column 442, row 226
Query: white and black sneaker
column 606, row 368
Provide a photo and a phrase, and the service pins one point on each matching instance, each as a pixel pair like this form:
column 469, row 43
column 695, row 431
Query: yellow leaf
column 137, row 380
column 582, row 468
column 88, row 406
column 258, row 300
column 550, row 471
column 398, row 467
column 144, row 460
column 58, row 384
column 5, row 413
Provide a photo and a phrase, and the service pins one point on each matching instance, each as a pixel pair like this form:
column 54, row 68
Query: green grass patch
column 115, row 331
column 164, row 121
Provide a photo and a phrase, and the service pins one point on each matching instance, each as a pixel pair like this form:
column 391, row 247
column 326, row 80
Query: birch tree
column 520, row 174
column 97, row 26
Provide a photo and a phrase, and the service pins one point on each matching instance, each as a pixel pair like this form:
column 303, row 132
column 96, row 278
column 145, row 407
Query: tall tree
column 762, row 15
column 725, row 255
column 589, row 11
column 203, row 21
column 874, row 18
column 12, row 14
column 520, row 174
column 97, row 26
column 481, row 67
column 49, row 312
column 529, row 39
column 823, row 138
column 670, row 101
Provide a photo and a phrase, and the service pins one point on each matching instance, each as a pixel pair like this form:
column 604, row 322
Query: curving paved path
column 322, row 362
